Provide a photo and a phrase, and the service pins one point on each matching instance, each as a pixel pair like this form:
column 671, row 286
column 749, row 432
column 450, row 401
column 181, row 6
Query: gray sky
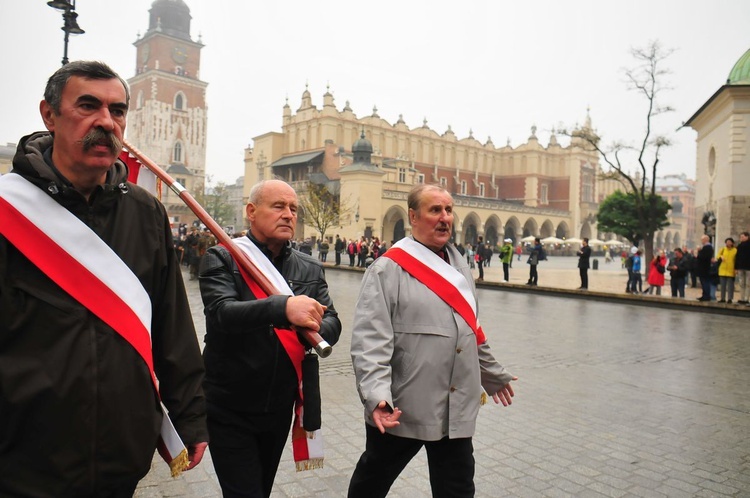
column 495, row 67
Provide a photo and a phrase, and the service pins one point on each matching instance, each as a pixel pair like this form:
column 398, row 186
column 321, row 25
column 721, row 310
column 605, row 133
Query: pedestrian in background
column 703, row 267
column 726, row 259
column 677, row 273
column 584, row 255
column 535, row 255
column 636, row 280
column 742, row 265
column 506, row 257
column 655, row 276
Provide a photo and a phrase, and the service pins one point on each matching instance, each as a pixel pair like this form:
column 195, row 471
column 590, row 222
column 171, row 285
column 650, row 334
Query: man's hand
column 505, row 394
column 305, row 312
column 195, row 454
column 384, row 418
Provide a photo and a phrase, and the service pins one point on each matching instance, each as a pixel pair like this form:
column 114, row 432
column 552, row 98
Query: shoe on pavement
column 721, row 301
column 702, row 299
column 741, row 302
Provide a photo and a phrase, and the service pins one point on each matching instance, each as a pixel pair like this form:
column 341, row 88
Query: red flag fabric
column 141, row 175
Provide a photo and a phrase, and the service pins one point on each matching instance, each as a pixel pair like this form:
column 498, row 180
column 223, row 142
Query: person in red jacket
column 656, row 270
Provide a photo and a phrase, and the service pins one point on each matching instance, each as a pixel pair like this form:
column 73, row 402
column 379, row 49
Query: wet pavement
column 618, row 397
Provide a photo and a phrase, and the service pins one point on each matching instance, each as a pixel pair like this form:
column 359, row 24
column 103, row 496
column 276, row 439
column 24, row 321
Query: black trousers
column 338, row 258
column 506, row 272
column 246, row 449
column 533, row 275
column 584, row 277
column 450, row 461
column 480, row 265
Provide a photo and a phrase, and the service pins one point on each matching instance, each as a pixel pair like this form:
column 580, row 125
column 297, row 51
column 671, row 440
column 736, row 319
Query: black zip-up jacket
column 247, row 368
column 78, row 410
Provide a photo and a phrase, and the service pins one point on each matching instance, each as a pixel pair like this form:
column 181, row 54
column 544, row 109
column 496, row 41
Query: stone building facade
column 722, row 195
column 499, row 192
column 679, row 192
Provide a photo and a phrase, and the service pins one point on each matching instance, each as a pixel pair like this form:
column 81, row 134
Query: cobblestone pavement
column 613, row 398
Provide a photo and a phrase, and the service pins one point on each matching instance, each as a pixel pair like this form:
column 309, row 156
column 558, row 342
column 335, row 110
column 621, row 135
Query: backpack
column 352, row 248
column 542, row 255
column 629, row 263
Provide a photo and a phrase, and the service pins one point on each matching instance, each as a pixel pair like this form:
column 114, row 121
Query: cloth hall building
column 498, row 192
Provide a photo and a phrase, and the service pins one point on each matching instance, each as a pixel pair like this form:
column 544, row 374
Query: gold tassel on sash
column 483, row 399
column 179, row 464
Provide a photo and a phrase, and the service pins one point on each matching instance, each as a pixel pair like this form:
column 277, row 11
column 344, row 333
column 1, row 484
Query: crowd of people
column 705, row 267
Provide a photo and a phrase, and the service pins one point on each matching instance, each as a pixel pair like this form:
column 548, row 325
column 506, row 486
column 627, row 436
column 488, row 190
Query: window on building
column 402, row 175
column 481, row 189
column 463, row 187
column 587, row 188
column 181, row 181
column 180, row 101
column 544, row 195
column 420, row 178
column 443, row 181
column 177, row 153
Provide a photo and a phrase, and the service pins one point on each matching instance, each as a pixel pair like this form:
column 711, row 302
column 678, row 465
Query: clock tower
column 167, row 117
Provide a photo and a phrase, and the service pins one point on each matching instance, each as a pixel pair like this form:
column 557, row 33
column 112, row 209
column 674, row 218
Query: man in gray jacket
column 421, row 361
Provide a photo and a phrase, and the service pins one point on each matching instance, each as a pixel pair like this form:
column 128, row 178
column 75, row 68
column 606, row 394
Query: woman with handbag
column 656, row 271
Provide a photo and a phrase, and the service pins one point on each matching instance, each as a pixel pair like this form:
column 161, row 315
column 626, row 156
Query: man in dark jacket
column 742, row 265
column 79, row 409
column 703, row 262
column 338, row 247
column 678, row 273
column 584, row 254
column 251, row 382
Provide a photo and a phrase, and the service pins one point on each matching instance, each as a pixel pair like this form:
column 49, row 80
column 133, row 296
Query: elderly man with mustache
column 96, row 335
column 421, row 360
column 253, row 356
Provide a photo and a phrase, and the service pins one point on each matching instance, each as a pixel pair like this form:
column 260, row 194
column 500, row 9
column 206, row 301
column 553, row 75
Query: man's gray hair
column 91, row 70
column 415, row 195
column 256, row 193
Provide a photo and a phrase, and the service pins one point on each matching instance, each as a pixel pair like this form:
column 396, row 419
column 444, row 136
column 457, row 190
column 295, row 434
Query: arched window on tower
column 180, row 102
column 177, row 153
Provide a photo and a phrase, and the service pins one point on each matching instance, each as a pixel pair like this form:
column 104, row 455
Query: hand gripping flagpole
column 313, row 338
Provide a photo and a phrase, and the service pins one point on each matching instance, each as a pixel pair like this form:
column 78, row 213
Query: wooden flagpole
column 313, row 338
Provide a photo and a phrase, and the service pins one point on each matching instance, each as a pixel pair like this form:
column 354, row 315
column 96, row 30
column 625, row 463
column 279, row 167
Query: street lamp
column 70, row 25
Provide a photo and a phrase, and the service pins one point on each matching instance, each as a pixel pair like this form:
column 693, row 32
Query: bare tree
column 322, row 208
column 648, row 79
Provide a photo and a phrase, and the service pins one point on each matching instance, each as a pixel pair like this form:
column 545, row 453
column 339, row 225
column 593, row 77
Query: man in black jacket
column 251, row 382
column 742, row 265
column 338, row 246
column 703, row 261
column 79, row 412
column 584, row 255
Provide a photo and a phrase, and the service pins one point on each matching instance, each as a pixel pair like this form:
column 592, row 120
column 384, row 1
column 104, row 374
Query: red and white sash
column 445, row 281
column 307, row 447
column 84, row 266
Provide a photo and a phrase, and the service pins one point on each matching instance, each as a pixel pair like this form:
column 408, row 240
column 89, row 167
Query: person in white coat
column 421, row 361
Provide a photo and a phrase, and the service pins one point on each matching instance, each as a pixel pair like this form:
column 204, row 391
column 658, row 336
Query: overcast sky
column 495, row 67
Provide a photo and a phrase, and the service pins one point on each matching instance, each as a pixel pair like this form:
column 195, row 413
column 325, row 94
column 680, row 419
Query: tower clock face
column 145, row 53
column 179, row 54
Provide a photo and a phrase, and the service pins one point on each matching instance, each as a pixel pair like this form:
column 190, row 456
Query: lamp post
column 70, row 25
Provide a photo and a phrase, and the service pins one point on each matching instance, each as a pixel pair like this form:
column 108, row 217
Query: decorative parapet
column 491, row 204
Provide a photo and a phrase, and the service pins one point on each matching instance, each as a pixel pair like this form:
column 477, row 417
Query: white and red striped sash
column 446, row 282
column 84, row 266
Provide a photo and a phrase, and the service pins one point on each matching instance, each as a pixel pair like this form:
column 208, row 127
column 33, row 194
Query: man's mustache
column 99, row 136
